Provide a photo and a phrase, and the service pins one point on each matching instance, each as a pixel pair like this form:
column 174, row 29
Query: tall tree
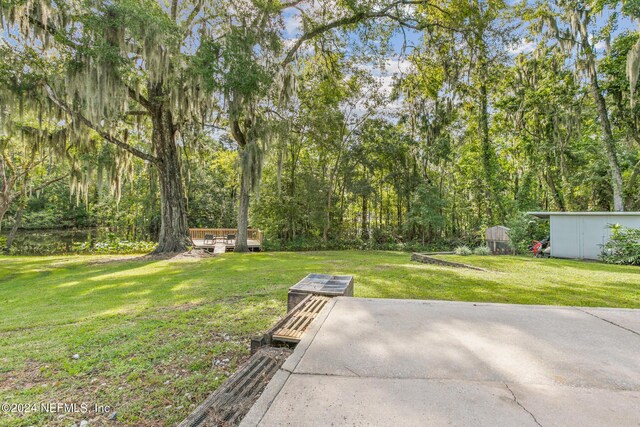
column 31, row 141
column 259, row 74
column 102, row 64
column 572, row 24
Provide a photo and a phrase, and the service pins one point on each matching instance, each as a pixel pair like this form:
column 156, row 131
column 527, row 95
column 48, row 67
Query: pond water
column 47, row 242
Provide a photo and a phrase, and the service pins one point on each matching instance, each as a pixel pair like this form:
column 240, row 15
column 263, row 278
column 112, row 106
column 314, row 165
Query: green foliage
column 524, row 229
column 463, row 251
column 482, row 250
column 318, row 244
column 426, row 210
column 623, row 247
column 60, row 242
column 475, row 136
column 114, row 245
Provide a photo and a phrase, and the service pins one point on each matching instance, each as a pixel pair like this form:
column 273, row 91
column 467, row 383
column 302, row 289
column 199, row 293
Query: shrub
column 623, row 247
column 317, row 244
column 482, row 250
column 463, row 250
column 382, row 236
column 524, row 229
column 117, row 246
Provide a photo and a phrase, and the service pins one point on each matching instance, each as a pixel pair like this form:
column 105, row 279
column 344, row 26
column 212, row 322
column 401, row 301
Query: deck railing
column 198, row 233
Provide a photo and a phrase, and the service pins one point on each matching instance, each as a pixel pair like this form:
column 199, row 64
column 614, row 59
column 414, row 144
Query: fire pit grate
column 233, row 399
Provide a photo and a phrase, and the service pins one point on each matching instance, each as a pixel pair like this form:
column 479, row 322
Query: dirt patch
column 24, row 378
column 193, row 254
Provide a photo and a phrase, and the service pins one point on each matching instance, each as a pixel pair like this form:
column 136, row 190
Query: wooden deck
column 221, row 244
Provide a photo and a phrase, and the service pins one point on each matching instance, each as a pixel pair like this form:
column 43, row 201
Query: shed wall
column 497, row 233
column 582, row 236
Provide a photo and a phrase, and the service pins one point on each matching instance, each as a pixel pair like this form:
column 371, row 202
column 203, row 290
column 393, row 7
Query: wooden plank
column 267, row 337
column 198, row 233
column 300, row 319
column 222, row 246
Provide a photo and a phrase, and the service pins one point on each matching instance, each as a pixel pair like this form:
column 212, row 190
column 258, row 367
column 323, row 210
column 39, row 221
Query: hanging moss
column 633, row 69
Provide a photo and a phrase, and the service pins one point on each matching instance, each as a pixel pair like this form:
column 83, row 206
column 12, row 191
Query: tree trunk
column 174, row 231
column 603, row 118
column 292, row 191
column 399, row 213
column 327, row 216
column 485, row 143
column 3, row 210
column 241, row 244
column 6, row 191
column 609, row 144
column 327, row 219
column 365, row 217
column 12, row 234
column 153, row 228
column 555, row 193
column 547, row 174
column 243, row 216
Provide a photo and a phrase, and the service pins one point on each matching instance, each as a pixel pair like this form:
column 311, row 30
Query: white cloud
column 386, row 84
column 389, row 66
column 398, row 65
column 601, row 46
column 293, row 25
column 523, row 46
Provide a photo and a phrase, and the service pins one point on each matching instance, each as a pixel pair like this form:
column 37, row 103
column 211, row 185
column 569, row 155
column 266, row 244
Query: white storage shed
column 582, row 234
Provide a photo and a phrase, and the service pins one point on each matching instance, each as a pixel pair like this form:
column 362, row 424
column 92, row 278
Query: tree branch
column 3, row 183
column 70, row 43
column 138, row 113
column 359, row 17
column 237, row 133
column 136, row 96
column 54, row 32
column 174, row 10
column 48, row 183
column 63, row 106
column 293, row 3
column 322, row 29
column 193, row 14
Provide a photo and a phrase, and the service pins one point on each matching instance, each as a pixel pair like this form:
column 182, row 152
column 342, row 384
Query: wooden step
column 293, row 328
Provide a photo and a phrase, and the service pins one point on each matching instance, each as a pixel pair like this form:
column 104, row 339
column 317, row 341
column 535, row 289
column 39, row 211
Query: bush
column 116, row 246
column 317, row 244
column 382, row 236
column 524, row 229
column 463, row 250
column 623, row 247
column 482, row 250
column 56, row 242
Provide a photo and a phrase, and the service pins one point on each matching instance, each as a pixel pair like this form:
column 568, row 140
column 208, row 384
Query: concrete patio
column 408, row 362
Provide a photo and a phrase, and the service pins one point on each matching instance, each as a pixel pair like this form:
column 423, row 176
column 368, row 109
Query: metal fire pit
column 320, row 284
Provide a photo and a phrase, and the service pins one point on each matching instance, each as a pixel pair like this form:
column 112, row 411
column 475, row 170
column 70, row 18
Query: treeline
column 496, row 110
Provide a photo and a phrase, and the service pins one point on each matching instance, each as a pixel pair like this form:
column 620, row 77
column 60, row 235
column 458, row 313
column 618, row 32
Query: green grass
column 156, row 337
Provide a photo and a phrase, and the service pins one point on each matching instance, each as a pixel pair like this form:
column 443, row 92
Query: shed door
column 566, row 236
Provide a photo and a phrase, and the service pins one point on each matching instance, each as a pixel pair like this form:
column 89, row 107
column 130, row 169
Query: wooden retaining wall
column 426, row 259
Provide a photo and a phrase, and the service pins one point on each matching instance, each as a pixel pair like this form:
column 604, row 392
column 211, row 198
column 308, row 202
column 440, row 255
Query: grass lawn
column 154, row 338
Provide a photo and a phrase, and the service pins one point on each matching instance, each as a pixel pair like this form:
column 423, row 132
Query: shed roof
column 550, row 214
column 501, row 227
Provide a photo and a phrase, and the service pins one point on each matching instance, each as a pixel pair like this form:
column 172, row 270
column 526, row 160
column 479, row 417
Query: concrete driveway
column 432, row 363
